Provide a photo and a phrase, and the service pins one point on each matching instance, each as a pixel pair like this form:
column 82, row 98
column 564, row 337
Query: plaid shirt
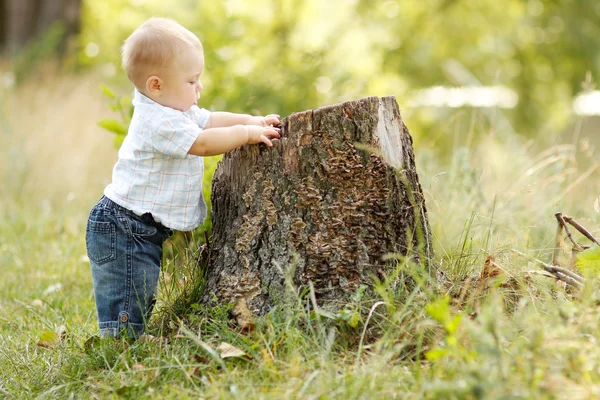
column 154, row 173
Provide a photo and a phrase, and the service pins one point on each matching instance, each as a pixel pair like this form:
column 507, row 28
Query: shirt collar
column 142, row 98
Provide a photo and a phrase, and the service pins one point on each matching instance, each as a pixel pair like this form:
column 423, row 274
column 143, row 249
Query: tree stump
column 324, row 205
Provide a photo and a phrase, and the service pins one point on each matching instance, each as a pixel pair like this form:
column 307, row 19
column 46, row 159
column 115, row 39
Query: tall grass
column 518, row 335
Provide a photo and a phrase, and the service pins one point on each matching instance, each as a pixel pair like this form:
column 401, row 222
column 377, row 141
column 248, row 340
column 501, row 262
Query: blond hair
column 154, row 46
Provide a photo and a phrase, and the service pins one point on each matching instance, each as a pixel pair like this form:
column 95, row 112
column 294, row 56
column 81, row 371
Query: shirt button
column 124, row 318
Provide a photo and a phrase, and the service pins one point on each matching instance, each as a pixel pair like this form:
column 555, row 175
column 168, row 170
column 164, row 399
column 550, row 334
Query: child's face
column 181, row 84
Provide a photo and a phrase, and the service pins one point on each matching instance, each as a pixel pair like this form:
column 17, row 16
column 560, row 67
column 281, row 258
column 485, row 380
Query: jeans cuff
column 117, row 329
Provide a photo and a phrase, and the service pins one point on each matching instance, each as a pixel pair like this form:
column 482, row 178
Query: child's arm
column 220, row 119
column 214, row 141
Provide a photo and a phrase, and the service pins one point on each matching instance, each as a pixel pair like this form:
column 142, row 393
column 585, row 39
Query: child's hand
column 259, row 134
column 269, row 120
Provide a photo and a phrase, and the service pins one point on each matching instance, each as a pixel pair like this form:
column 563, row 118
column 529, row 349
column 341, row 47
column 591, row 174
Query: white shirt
column 154, row 173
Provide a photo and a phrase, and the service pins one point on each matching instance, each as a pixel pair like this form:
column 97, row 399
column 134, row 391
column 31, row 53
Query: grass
column 514, row 336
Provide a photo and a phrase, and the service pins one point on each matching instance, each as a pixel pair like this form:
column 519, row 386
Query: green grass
column 520, row 335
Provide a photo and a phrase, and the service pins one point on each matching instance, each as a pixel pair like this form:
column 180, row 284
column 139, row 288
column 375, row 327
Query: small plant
column 440, row 311
column 351, row 312
column 122, row 105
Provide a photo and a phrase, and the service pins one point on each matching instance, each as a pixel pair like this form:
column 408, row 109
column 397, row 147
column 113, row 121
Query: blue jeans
column 125, row 252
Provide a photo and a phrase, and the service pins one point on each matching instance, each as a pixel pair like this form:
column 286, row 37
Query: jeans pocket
column 142, row 229
column 101, row 241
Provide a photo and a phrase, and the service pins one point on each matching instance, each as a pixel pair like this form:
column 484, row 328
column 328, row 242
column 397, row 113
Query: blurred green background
column 290, row 55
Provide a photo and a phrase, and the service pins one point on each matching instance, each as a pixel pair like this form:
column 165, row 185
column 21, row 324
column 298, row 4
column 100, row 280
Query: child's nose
column 200, row 87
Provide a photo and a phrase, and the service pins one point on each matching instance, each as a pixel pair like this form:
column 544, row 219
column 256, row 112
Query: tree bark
column 324, row 205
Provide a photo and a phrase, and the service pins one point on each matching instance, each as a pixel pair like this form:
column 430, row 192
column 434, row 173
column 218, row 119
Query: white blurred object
column 8, row 80
column 466, row 96
column 587, row 103
column 57, row 287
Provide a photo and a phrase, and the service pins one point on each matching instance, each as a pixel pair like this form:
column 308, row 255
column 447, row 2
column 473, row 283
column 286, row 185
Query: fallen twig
column 542, row 273
column 559, row 273
column 581, row 229
column 557, row 244
column 561, row 221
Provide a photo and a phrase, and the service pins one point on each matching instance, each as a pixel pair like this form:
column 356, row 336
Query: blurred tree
column 542, row 49
column 24, row 20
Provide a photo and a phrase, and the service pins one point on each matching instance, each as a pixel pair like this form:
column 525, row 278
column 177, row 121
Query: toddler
column 157, row 181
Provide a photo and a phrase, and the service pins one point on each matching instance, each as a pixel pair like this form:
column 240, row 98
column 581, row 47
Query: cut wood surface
column 325, row 205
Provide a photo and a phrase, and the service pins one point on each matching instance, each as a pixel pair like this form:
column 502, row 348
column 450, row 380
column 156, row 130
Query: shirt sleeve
column 175, row 136
column 200, row 115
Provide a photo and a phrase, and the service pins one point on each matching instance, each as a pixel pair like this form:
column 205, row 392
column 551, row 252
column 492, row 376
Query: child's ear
column 154, row 85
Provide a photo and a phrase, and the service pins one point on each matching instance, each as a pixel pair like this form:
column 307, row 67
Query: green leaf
column 588, row 261
column 49, row 340
column 109, row 93
column 439, row 310
column 436, row 353
column 125, row 102
column 118, row 141
column 354, row 320
column 452, row 324
column 356, row 297
column 326, row 314
column 451, row 340
column 113, row 126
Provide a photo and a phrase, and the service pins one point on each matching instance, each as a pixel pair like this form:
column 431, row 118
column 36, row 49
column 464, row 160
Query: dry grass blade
column 207, row 348
column 362, row 336
column 580, row 179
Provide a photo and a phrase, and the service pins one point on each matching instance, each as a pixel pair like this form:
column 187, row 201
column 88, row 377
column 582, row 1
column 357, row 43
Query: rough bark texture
column 323, row 205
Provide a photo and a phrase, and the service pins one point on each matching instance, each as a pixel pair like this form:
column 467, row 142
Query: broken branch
column 557, row 244
column 559, row 273
column 562, row 222
column 581, row 229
